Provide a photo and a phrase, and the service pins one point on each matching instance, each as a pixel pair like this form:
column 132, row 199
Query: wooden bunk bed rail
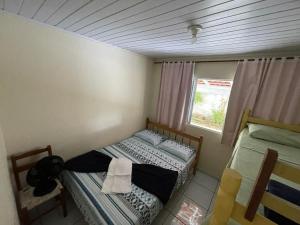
column 247, row 118
column 259, row 195
column 247, row 215
column 179, row 136
column 261, row 183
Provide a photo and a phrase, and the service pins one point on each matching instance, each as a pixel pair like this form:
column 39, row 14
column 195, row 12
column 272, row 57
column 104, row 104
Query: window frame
column 194, row 88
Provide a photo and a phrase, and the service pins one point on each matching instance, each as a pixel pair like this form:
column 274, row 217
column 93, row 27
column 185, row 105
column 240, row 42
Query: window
column 210, row 101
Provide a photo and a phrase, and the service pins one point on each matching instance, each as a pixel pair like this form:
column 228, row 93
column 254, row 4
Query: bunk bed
column 242, row 193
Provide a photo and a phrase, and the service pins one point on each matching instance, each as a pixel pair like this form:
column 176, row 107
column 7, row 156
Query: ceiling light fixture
column 194, row 29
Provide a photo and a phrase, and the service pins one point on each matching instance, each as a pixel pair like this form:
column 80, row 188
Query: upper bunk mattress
column 137, row 207
column 248, row 156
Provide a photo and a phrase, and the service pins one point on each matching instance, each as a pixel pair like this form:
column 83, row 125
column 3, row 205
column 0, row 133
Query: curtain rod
column 224, row 60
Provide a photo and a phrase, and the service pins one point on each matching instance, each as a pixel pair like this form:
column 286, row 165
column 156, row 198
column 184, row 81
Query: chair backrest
column 17, row 169
column 229, row 187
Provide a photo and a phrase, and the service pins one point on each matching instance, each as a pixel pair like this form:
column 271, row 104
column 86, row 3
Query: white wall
column 8, row 212
column 71, row 92
column 214, row 155
column 215, row 70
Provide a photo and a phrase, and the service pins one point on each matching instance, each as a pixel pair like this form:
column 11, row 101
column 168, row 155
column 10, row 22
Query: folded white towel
column 118, row 178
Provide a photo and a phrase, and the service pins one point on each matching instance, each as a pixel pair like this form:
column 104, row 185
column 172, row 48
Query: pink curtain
column 269, row 87
column 174, row 95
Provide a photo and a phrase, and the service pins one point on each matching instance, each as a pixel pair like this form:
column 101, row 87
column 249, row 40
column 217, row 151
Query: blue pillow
column 150, row 136
column 180, row 150
column 285, row 192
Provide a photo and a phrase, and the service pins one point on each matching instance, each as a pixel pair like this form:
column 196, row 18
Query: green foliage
column 218, row 116
column 198, row 97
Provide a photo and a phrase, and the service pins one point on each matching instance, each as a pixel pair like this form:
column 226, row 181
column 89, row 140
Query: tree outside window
column 210, row 103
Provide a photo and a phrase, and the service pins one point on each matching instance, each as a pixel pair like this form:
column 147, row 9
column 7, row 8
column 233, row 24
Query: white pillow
column 182, row 151
column 150, row 136
column 277, row 135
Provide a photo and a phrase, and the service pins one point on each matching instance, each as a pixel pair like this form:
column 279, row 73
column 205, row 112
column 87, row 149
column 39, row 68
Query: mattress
column 247, row 159
column 137, row 207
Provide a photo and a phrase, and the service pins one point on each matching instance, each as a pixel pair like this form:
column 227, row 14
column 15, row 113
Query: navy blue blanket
column 154, row 179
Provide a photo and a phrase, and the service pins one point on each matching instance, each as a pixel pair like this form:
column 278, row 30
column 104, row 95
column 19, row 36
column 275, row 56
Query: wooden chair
column 25, row 199
column 226, row 207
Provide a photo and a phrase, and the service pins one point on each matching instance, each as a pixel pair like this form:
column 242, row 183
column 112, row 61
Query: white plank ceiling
column 158, row 28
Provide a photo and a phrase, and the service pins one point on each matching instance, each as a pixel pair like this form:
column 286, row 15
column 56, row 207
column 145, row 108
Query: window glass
column 210, row 101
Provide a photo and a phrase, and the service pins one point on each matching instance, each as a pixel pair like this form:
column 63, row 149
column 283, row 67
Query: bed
column 247, row 159
column 253, row 164
column 249, row 153
column 139, row 206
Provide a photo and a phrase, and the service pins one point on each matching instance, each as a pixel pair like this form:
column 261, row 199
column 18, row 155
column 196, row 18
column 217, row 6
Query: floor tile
column 161, row 218
column 46, row 206
column 56, row 217
column 178, row 194
column 186, row 184
column 184, row 201
column 206, row 181
column 73, row 216
column 188, row 212
column 172, row 220
column 199, row 194
column 174, row 200
column 51, row 218
column 212, row 203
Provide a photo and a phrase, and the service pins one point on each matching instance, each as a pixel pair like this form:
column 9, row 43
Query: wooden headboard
column 247, row 118
column 179, row 136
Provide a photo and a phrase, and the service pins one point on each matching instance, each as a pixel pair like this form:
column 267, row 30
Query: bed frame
column 179, row 136
column 247, row 118
column 226, row 207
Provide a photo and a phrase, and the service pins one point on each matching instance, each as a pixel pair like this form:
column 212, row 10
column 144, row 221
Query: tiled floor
column 199, row 191
column 196, row 196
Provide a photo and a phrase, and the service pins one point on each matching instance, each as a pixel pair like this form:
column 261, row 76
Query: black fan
column 42, row 175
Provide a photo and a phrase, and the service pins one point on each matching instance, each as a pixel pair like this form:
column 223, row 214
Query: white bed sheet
column 247, row 159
